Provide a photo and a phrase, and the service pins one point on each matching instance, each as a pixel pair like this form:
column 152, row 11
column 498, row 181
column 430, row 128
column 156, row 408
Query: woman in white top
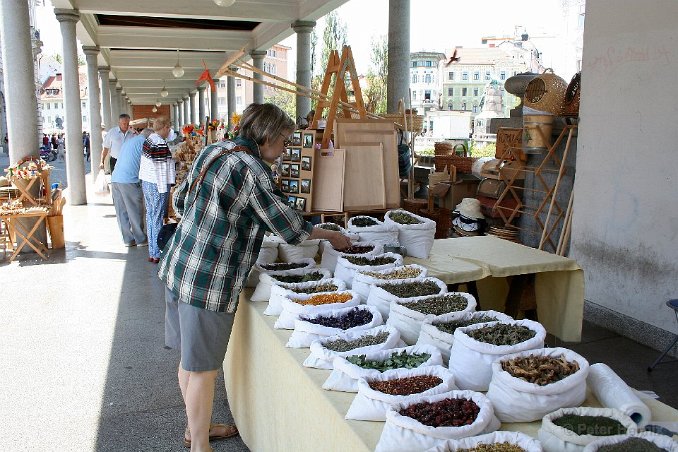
column 157, row 174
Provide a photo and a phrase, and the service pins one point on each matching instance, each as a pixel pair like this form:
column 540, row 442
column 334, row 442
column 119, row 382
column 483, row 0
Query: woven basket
column 546, row 92
column 463, row 163
column 397, row 118
column 443, row 148
column 572, row 97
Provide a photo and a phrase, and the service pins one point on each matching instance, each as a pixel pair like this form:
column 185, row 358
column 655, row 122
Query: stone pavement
column 84, row 367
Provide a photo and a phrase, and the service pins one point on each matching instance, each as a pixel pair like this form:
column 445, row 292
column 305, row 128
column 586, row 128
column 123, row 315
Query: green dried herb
column 402, row 360
column 502, row 334
column 363, row 222
column 316, row 289
column 372, row 261
column 590, row 425
column 284, row 266
column 632, row 445
column 403, row 218
column 398, row 273
column 412, row 289
column 438, row 305
column 495, row 447
column 313, row 276
column 451, row 327
column 329, row 227
column 342, row 345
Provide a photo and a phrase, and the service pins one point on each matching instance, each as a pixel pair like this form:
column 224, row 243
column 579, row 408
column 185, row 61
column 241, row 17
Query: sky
column 435, row 24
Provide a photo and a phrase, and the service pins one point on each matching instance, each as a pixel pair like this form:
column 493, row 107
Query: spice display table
column 498, row 266
column 279, row 405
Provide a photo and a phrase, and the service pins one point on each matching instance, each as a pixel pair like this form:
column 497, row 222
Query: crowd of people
column 57, row 143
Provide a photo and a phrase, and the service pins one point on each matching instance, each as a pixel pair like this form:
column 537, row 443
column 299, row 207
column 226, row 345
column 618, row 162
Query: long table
column 494, row 264
column 279, row 405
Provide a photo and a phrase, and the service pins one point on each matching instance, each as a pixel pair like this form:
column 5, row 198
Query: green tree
column 375, row 94
column 286, row 100
column 335, row 37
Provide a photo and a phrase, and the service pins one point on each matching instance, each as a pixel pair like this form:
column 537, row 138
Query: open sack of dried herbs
column 347, row 265
column 528, row 385
column 430, row 421
column 376, row 394
column 304, row 250
column 476, row 347
column 364, row 279
column 415, row 233
column 323, row 351
column 347, row 370
column 296, row 270
column 267, row 255
column 439, row 330
column 282, row 290
column 572, row 429
column 408, row 315
column 498, row 441
column 640, row 442
column 370, row 229
column 383, row 294
column 310, row 304
column 337, row 228
column 311, row 327
column 329, row 257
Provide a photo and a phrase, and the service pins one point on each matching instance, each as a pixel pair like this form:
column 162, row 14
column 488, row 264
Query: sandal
column 230, row 431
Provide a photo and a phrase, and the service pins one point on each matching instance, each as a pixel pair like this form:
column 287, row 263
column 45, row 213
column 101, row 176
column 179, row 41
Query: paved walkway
column 84, row 366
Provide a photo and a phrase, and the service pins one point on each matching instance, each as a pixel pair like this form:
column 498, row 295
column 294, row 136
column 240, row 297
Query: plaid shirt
column 223, row 223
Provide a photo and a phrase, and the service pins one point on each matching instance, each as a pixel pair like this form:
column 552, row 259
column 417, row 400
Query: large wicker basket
column 463, row 163
column 572, row 97
column 546, row 92
column 417, row 121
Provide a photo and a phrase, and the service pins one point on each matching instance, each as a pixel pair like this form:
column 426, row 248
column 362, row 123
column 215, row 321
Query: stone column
column 115, row 105
column 258, row 89
column 75, row 165
column 214, row 103
column 180, row 113
column 187, row 114
column 95, row 139
column 230, row 96
column 303, row 29
column 105, row 96
column 175, row 117
column 201, row 104
column 121, row 103
column 193, row 108
column 398, row 79
column 19, row 87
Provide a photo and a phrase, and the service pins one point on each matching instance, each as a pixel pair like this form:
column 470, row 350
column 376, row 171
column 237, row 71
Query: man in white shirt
column 114, row 140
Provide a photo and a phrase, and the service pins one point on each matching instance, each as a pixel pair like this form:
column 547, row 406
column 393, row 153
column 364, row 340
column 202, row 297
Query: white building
column 425, row 80
column 51, row 103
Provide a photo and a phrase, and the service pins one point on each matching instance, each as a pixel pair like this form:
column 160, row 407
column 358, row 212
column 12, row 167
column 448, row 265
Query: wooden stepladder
column 337, row 69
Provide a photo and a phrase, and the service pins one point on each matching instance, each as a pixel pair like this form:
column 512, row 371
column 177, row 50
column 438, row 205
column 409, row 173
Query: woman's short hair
column 160, row 123
column 264, row 122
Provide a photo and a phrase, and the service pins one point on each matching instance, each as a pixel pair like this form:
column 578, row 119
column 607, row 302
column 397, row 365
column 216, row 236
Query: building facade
column 425, row 82
column 51, row 103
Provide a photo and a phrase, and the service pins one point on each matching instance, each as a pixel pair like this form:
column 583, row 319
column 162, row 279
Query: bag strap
column 205, row 168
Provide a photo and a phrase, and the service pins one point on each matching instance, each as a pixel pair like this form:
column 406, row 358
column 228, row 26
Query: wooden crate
column 510, row 144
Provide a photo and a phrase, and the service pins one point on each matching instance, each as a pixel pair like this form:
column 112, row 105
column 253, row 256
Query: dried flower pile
column 325, row 287
column 403, row 218
column 371, row 261
column 451, row 327
column 401, row 360
column 590, row 425
column 439, row 305
column 540, row 370
column 363, row 222
column 284, row 266
column 406, row 386
column 321, row 299
column 444, row 413
column 412, row 289
column 495, row 447
column 398, row 273
column 313, row 276
column 354, row 317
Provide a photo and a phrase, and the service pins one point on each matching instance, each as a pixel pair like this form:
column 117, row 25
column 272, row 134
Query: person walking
column 85, row 145
column 157, row 173
column 128, row 199
column 61, row 147
column 114, row 140
column 227, row 202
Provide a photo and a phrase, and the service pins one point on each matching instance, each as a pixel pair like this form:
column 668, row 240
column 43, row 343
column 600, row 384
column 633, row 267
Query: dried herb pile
column 321, row 299
column 632, row 445
column 495, row 447
column 329, row 227
column 325, row 287
column 444, row 413
column 357, row 249
column 590, row 425
column 372, row 261
column 342, row 345
column 403, row 218
column 502, row 334
column 363, row 222
column 398, row 273
column 354, row 317
column 407, row 385
column 451, row 327
column 540, row 370
column 284, row 266
column 313, row 276
column 439, row 305
column 401, row 360
column 412, row 289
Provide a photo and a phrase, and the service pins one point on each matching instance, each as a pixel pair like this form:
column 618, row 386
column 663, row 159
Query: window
column 475, row 91
column 414, row 78
column 221, row 101
column 271, row 53
column 429, row 63
column 450, row 91
column 476, row 75
column 222, row 84
column 427, row 94
column 238, row 100
column 84, row 104
column 463, row 106
column 238, row 82
column 48, row 105
column 414, row 64
column 84, row 119
column 487, row 75
column 427, row 78
column 414, row 95
column 450, row 106
column 464, row 75
column 464, row 91
column 450, row 75
column 273, row 69
column 475, row 109
column 502, row 75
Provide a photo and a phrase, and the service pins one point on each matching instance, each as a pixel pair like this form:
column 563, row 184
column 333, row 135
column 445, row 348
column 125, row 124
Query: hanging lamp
column 154, row 110
column 158, row 103
column 163, row 91
column 224, row 3
column 178, row 71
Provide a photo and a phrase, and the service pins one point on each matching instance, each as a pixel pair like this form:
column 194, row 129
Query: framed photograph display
column 296, row 171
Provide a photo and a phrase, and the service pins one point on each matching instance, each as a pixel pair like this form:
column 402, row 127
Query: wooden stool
column 22, row 235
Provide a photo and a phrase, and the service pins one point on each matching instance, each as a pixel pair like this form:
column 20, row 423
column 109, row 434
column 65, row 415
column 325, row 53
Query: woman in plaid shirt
column 225, row 212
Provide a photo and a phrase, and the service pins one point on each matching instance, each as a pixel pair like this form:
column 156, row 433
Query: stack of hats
column 469, row 220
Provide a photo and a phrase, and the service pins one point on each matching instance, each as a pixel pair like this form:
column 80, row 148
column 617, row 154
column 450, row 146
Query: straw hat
column 470, row 208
